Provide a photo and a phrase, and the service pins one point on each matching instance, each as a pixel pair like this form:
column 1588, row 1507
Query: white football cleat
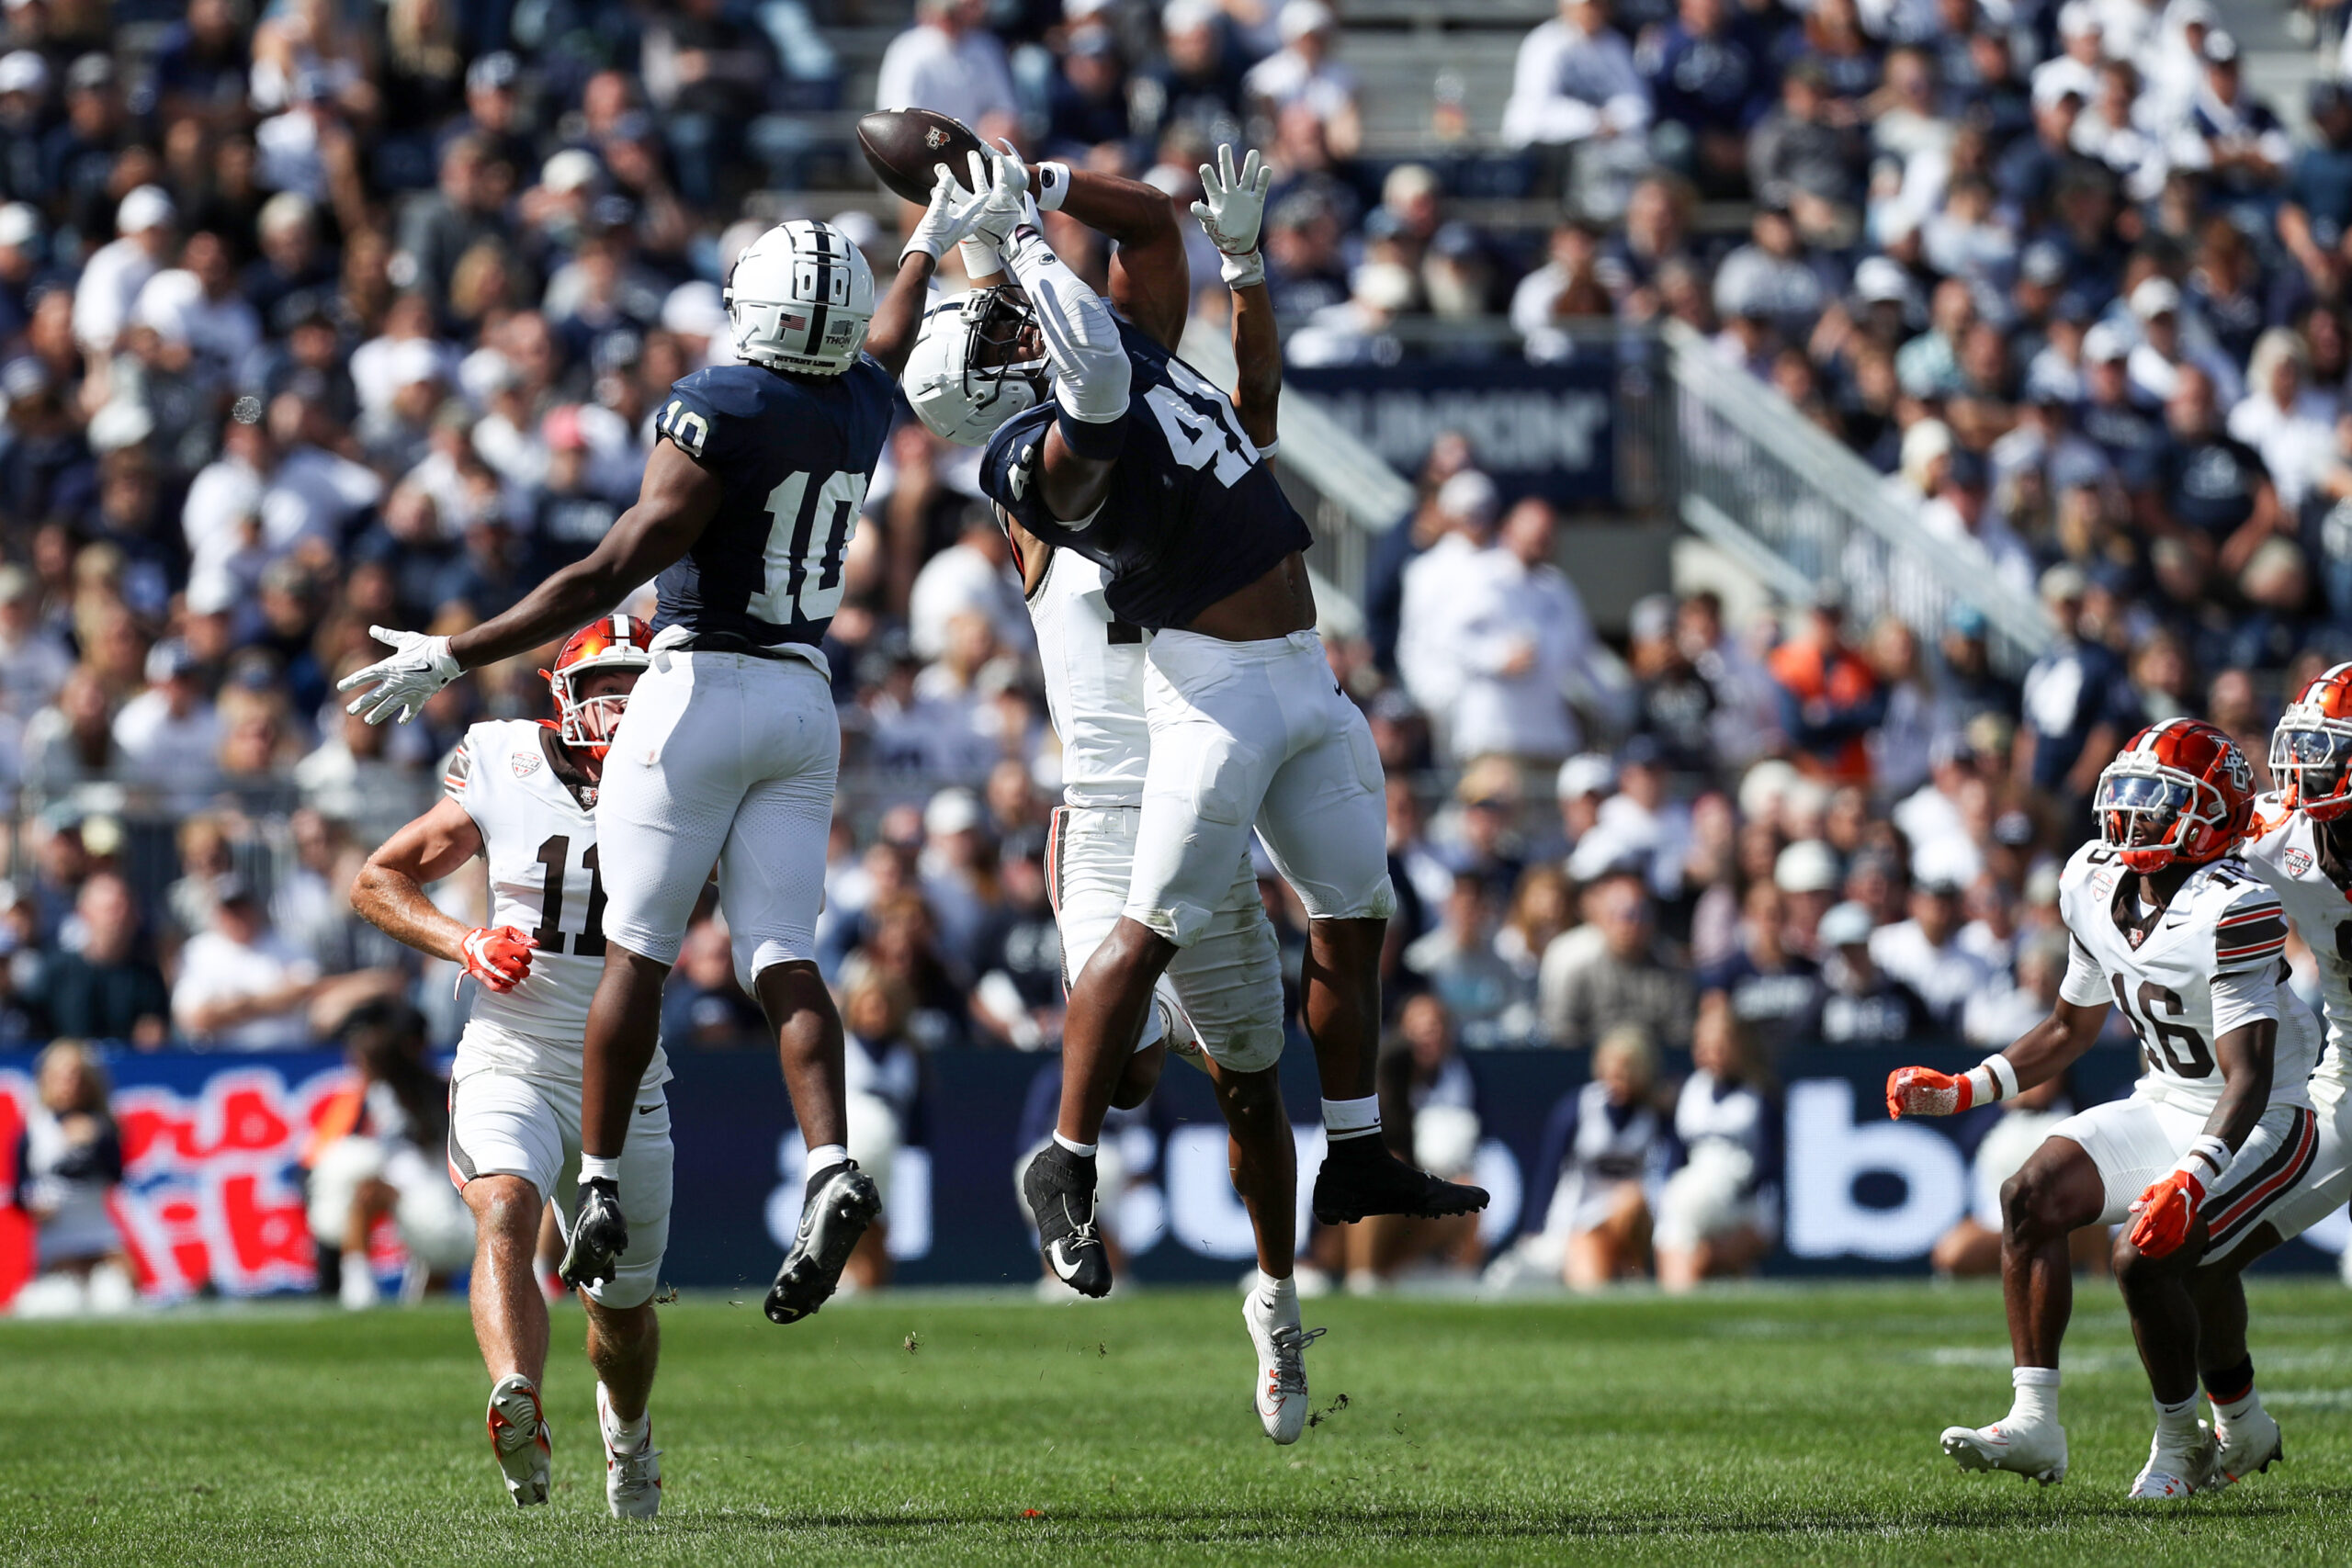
column 359, row 1288
column 632, row 1481
column 518, row 1439
column 2169, row 1475
column 2036, row 1452
column 2246, row 1447
column 1280, row 1394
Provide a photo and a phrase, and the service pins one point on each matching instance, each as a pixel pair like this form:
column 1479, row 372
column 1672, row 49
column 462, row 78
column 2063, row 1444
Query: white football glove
column 1232, row 209
column 420, row 666
column 1009, row 204
column 948, row 218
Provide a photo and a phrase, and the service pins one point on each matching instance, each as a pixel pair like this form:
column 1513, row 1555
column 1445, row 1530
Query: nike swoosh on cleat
column 1066, row 1268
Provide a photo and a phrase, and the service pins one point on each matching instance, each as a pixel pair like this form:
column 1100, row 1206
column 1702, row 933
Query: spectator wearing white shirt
column 112, row 277
column 1925, row 952
column 2082, row 51
column 262, row 496
column 2289, row 423
column 1303, row 72
column 1522, row 638
column 1575, row 80
column 243, row 985
column 2169, row 340
column 169, row 733
column 196, row 307
column 1428, row 657
column 34, row 660
column 947, row 61
column 972, row 576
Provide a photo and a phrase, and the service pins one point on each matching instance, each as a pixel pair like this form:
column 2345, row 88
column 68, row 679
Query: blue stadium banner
column 212, row 1200
column 1547, row 430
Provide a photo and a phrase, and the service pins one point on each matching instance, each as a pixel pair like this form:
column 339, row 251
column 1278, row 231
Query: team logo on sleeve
column 524, row 763
column 2298, row 862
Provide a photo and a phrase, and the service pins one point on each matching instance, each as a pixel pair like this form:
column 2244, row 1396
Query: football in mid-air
column 906, row 146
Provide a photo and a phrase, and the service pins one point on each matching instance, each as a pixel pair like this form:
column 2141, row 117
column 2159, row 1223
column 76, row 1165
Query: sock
column 1282, row 1293
column 356, row 1263
column 1345, row 1120
column 2176, row 1424
column 627, row 1437
column 1083, row 1151
column 2037, row 1396
column 598, row 1167
column 2231, row 1386
column 824, row 1156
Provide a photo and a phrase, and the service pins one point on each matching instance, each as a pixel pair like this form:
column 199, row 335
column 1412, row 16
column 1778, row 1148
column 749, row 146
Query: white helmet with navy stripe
column 966, row 375
column 799, row 298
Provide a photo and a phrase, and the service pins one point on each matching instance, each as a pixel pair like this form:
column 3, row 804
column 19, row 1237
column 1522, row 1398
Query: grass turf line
column 1770, row 1425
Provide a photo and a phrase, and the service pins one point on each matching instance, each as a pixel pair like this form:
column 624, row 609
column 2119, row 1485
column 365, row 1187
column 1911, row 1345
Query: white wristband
column 2207, row 1150
column 1051, row 186
column 1243, row 272
column 980, row 259
column 2005, row 1076
column 597, row 1167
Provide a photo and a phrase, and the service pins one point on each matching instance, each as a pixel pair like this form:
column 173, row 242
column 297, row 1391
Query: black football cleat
column 840, row 1205
column 1059, row 1187
column 599, row 1236
column 1360, row 1176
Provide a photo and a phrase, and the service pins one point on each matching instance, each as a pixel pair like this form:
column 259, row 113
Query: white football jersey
column 540, row 842
column 2161, row 971
column 2283, row 849
column 1095, row 667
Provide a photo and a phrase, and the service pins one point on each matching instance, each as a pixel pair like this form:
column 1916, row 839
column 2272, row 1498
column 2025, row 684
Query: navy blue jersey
column 1192, row 514
column 793, row 455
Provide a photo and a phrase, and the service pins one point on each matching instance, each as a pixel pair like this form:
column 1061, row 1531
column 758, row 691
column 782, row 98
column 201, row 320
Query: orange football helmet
column 615, row 642
column 2179, row 791
column 2310, row 751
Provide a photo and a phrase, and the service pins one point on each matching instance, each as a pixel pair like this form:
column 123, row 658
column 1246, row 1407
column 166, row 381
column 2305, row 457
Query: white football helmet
column 957, row 397
column 799, row 298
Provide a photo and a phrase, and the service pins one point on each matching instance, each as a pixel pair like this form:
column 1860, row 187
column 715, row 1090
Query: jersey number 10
column 808, row 533
column 555, row 855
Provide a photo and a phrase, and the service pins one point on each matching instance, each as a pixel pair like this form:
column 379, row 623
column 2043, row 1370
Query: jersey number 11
column 555, row 855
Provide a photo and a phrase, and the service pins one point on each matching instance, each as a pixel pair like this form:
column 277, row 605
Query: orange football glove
column 499, row 956
column 1923, row 1092
column 2166, row 1209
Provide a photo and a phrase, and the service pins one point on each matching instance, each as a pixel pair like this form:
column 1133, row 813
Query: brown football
column 905, row 146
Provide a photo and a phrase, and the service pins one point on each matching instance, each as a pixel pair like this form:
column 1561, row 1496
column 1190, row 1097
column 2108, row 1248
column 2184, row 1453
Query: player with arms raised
column 1101, row 443
column 523, row 795
column 729, row 748
column 2170, row 926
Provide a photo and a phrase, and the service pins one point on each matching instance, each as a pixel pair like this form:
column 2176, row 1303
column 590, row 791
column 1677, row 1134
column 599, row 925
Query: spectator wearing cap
column 106, row 988
column 972, row 576
column 2230, row 133
column 1926, row 952
column 145, row 222
column 291, row 261
column 1303, row 72
column 1574, row 80
column 2169, row 342
column 195, row 309
column 1086, row 104
column 21, row 266
column 169, row 734
column 265, row 495
column 957, row 869
column 1523, row 641
column 78, row 155
column 1860, row 1005
column 1630, row 978
column 2082, row 49
column 495, row 112
column 948, row 62
column 243, row 985
column 46, row 474
column 2112, row 416
column 1958, row 511
column 1460, row 517
column 1807, row 875
column 24, row 111
column 1829, row 699
column 2078, row 707
column 569, row 516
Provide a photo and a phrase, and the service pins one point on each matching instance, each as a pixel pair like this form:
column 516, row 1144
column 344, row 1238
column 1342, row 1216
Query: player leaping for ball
column 1228, row 985
column 523, row 795
column 728, row 751
column 2169, row 925
column 1101, row 443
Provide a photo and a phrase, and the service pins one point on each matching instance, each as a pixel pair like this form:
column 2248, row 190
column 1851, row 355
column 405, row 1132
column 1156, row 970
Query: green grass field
column 1764, row 1425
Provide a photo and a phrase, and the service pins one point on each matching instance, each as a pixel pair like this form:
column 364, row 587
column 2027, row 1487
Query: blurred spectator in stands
column 702, row 1006
column 1454, row 532
column 1631, row 979
column 1772, row 278
column 1567, row 287
column 1087, row 104
column 1707, row 88
column 460, row 212
column 1717, row 1214
column 67, row 1160
column 380, row 1150
column 200, row 66
column 34, row 660
column 2002, row 1012
column 46, row 473
column 1926, row 952
column 972, row 576
column 948, row 62
column 1859, row 1006
column 111, row 279
column 1803, row 147
column 106, row 988
column 169, row 734
column 1971, row 1248
column 1429, row 1114
column 2317, row 210
column 1608, row 1143
column 1575, row 81
column 1356, row 330
column 1459, row 964
column 883, row 1076
column 1523, row 641
column 1770, row 989
column 2289, row 423
column 1303, row 72
column 1019, row 959
column 1828, row 697
column 1198, row 84
column 2245, row 147
column 243, row 985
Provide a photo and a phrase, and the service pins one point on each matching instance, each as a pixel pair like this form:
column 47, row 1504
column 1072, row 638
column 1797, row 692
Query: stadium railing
column 1796, row 507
